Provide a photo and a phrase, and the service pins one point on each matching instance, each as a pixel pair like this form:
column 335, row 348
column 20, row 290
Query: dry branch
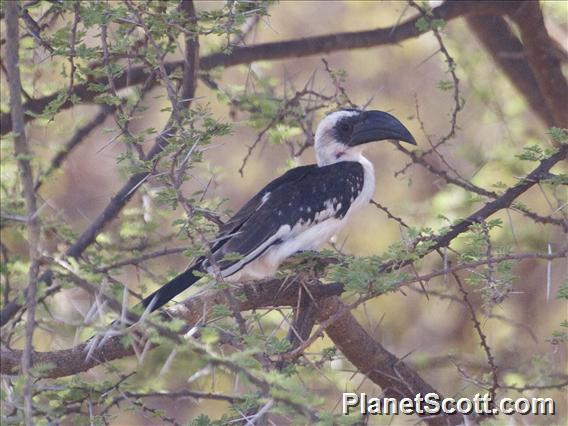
column 504, row 201
column 73, row 142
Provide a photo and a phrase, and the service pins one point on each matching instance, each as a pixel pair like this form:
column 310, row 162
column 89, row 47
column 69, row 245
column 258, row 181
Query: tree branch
column 502, row 202
column 507, row 51
column 194, row 311
column 73, row 142
column 23, row 156
column 278, row 50
column 117, row 202
column 394, row 377
column 538, row 47
column 382, row 367
column 505, row 200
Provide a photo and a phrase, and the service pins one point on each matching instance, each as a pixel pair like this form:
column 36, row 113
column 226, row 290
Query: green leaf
column 563, row 291
column 531, row 153
column 209, row 335
column 445, row 85
column 558, row 135
column 201, row 420
column 221, row 311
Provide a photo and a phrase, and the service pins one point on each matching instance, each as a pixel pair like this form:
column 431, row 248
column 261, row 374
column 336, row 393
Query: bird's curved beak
column 378, row 126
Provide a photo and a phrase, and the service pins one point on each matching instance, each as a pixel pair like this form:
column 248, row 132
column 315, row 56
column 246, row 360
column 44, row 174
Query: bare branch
column 23, row 155
column 482, row 337
column 73, row 142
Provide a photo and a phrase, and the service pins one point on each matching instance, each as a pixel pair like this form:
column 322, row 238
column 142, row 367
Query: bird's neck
column 335, row 153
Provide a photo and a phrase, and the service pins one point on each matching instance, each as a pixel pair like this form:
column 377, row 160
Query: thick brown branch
column 507, row 51
column 539, row 51
column 195, row 310
column 382, row 367
column 394, row 377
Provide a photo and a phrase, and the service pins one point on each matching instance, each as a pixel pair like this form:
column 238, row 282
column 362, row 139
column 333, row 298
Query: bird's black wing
column 301, row 197
column 232, row 226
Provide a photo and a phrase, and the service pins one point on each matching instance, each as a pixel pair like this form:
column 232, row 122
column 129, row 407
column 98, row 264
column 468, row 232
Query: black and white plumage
column 300, row 210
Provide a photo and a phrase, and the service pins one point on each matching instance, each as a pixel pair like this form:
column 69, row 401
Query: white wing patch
column 282, row 233
column 264, row 199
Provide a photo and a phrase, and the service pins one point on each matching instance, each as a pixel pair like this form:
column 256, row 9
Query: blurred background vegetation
column 428, row 326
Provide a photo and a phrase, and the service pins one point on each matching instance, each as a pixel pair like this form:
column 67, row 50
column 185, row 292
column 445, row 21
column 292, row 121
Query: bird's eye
column 345, row 127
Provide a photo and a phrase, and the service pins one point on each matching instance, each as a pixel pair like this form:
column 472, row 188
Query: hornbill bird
column 300, row 210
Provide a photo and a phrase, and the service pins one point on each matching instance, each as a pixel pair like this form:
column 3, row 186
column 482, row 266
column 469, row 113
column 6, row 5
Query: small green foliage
column 362, row 274
column 558, row 134
column 422, row 25
column 499, row 185
column 445, row 85
column 531, row 153
column 563, row 291
column 330, row 419
column 535, row 153
column 245, row 359
column 232, row 257
column 175, row 325
column 209, row 335
column 221, row 311
column 559, row 336
column 558, row 179
column 107, row 99
column 328, row 354
column 252, row 401
column 281, row 133
column 277, row 346
column 425, row 24
column 493, row 278
column 52, row 108
column 168, row 196
column 201, row 420
column 39, row 369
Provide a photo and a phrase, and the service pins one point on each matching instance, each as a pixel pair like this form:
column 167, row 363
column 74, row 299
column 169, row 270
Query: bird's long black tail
column 172, row 288
column 161, row 296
